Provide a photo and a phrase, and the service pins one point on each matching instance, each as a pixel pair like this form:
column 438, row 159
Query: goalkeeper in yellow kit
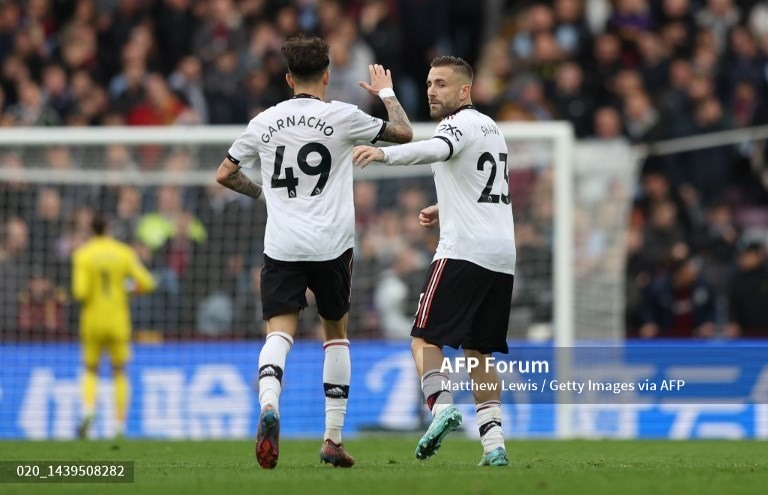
column 105, row 273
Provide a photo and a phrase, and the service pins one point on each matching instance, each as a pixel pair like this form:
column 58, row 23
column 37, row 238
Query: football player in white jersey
column 304, row 147
column 466, row 298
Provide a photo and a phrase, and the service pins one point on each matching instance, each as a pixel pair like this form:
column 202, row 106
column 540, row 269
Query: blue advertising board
column 202, row 390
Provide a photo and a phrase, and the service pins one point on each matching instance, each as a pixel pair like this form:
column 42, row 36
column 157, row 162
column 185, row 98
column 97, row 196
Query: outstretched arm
column 418, row 153
column 398, row 129
column 230, row 176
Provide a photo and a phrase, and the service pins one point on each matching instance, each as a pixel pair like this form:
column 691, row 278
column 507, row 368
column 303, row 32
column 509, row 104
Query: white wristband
column 261, row 197
column 386, row 93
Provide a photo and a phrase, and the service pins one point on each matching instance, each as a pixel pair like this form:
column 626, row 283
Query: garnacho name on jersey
column 293, row 121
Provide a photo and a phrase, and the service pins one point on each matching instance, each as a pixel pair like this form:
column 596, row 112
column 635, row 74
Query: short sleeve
column 244, row 151
column 364, row 127
column 455, row 132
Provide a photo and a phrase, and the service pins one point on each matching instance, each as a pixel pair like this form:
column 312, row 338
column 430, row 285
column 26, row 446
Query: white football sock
column 434, row 386
column 271, row 366
column 489, row 423
column 337, row 372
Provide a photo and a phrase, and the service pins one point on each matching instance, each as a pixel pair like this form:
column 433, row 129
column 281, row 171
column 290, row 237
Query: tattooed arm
column 230, row 176
column 398, row 128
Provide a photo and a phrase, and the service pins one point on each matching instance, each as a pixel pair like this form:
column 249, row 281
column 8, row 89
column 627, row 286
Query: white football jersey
column 305, row 146
column 473, row 193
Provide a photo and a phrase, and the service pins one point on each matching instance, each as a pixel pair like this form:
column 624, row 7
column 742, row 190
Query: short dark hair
column 306, row 57
column 459, row 65
column 99, row 224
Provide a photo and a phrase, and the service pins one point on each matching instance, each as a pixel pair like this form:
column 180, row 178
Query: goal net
column 197, row 336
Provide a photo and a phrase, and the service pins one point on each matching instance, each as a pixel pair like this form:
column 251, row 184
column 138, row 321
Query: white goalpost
column 571, row 202
column 558, row 135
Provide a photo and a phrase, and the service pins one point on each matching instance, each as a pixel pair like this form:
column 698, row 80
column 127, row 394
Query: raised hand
column 380, row 78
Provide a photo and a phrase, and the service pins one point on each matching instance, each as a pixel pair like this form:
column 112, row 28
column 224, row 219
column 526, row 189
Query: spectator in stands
column 14, row 270
column 637, row 277
column 571, row 30
column 528, row 93
column 220, row 31
column 676, row 11
column 642, row 120
column 42, row 309
column 607, row 124
column 76, row 232
column 629, row 21
column 679, row 304
column 718, row 16
column 654, row 62
column 287, row 20
column 350, row 57
column 626, row 83
column 663, row 235
column 656, row 189
column 745, row 62
column 227, row 103
column 133, row 58
column 61, row 158
column 118, row 159
column 389, row 235
column 31, row 108
column 216, row 267
column 160, row 106
column 175, row 25
column 604, row 65
column 366, row 207
column 547, row 56
column 16, row 196
column 126, row 89
column 744, row 105
column 78, row 45
column 537, row 18
column 187, row 81
column 171, row 221
column 126, row 219
column 56, row 90
column 382, row 33
column 265, row 38
column 170, row 232
column 397, row 293
column 571, row 99
column 749, row 293
column 709, row 170
column 45, row 229
column 715, row 239
column 493, row 71
column 10, row 15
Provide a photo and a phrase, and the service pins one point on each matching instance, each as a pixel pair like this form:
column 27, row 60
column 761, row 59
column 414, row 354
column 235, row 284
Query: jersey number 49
column 290, row 182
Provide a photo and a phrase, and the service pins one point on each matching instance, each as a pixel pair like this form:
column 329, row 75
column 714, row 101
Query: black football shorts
column 284, row 285
column 464, row 305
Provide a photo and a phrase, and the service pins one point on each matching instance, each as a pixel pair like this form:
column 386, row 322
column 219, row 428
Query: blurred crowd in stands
column 640, row 70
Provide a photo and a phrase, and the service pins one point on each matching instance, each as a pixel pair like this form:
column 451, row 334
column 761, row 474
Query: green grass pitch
column 387, row 466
